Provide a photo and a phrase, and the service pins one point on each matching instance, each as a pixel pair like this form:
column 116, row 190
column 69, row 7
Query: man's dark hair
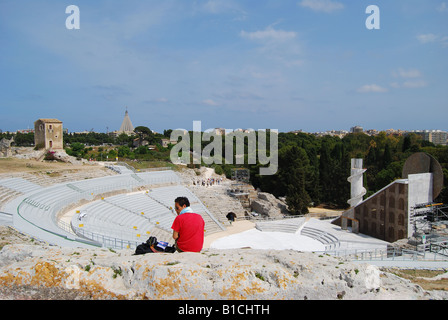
column 181, row 201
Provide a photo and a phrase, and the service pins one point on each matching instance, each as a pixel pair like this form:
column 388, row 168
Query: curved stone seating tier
column 167, row 195
column 41, row 208
column 127, row 216
column 330, row 241
column 119, row 169
column 105, row 219
column 158, row 177
column 20, row 185
column 37, row 209
column 135, row 217
column 288, row 225
column 6, row 195
column 110, row 183
column 296, row 225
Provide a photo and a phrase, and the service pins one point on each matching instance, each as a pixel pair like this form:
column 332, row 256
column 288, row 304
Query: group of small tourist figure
column 207, row 182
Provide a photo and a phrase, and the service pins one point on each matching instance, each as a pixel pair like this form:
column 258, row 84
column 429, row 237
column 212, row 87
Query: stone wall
column 385, row 215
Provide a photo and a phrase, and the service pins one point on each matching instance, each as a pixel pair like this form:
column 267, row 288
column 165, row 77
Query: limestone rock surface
column 268, row 205
column 211, row 274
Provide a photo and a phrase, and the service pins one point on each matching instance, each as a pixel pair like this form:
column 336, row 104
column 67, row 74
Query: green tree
column 387, row 156
column 123, row 139
column 76, row 149
column 443, row 197
column 123, row 151
column 167, row 133
column 406, row 143
column 24, row 139
column 218, row 169
column 325, row 173
column 144, row 134
column 334, row 169
column 141, row 150
column 341, row 171
column 112, row 154
column 292, row 172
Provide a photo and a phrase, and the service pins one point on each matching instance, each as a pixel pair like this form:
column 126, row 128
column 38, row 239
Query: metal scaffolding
column 429, row 221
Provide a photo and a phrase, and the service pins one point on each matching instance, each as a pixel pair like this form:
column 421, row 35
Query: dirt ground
column 11, row 165
column 317, row 212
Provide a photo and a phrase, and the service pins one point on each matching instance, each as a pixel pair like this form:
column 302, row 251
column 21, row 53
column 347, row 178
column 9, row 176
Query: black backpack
column 150, row 246
column 145, row 247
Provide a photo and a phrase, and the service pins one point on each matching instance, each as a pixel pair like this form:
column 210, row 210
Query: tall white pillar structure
column 356, row 179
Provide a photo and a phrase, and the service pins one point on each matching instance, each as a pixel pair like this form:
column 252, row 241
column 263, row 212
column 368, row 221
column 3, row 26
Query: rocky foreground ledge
column 47, row 272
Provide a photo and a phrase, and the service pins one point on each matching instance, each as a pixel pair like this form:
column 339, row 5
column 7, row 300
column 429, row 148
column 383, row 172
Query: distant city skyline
column 286, row 65
column 349, row 130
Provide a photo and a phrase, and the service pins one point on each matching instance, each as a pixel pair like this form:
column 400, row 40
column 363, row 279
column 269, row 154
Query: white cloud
column 412, row 79
column 269, row 34
column 210, row 102
column 433, row 38
column 368, row 88
column 294, row 63
column 415, row 84
column 427, row 38
column 214, row 6
column 223, row 7
column 444, row 41
column 443, row 7
column 326, row 6
column 218, row 6
column 411, row 73
column 275, row 44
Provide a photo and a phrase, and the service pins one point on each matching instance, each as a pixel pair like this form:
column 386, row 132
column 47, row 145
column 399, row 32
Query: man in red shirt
column 188, row 227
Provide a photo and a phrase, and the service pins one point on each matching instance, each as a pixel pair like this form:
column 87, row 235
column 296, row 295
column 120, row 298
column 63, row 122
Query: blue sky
column 286, row 65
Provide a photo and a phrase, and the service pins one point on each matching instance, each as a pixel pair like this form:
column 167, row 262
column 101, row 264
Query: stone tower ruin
column 48, row 134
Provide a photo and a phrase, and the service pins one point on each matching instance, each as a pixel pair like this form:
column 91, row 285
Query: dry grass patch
column 10, row 165
column 427, row 279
